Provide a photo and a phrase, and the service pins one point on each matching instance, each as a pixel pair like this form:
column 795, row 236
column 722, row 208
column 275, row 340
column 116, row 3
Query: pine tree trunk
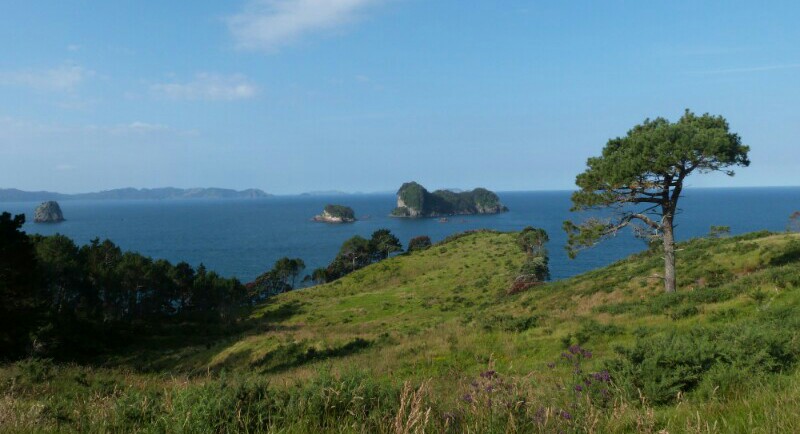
column 669, row 256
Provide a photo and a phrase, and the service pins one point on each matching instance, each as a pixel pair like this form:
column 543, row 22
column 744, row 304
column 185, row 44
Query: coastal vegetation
column 421, row 242
column 465, row 335
column 413, row 200
column 433, row 340
column 640, row 178
column 357, row 252
column 281, row 278
column 535, row 270
column 336, row 214
column 58, row 299
column 794, row 222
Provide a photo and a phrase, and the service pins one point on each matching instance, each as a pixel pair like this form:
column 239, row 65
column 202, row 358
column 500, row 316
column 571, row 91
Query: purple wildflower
column 468, row 398
column 602, row 376
column 488, row 374
column 539, row 415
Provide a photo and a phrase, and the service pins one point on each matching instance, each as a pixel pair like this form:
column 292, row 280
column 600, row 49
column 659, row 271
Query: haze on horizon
column 291, row 96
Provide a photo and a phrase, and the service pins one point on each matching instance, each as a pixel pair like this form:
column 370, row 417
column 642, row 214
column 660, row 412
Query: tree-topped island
column 413, row 200
column 336, row 214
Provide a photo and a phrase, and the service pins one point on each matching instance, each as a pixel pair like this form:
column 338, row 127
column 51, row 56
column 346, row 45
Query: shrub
column 509, row 323
column 665, row 366
column 794, row 222
column 421, row 242
column 684, row 312
column 719, row 231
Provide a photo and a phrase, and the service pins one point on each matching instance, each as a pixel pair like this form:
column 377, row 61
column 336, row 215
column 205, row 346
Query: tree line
column 56, row 297
column 355, row 253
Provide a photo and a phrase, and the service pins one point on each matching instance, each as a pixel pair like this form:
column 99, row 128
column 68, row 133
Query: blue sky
column 362, row 95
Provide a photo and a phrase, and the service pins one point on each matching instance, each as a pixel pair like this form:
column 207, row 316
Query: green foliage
column 340, row 211
column 509, row 323
column 226, row 404
column 290, row 368
column 719, row 231
column 640, row 178
column 535, row 270
column 21, row 297
column 67, row 301
column 677, row 363
column 281, row 278
column 654, row 154
column 357, row 252
column 298, row 353
column 421, row 242
column 413, row 195
column 794, row 222
column 419, row 202
column 532, row 241
column 383, row 243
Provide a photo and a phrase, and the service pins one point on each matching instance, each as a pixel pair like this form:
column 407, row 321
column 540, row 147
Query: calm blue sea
column 242, row 238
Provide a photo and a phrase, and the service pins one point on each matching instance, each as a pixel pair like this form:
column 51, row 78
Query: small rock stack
column 48, row 212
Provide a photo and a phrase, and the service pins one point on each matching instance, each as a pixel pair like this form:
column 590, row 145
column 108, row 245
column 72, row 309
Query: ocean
column 242, row 238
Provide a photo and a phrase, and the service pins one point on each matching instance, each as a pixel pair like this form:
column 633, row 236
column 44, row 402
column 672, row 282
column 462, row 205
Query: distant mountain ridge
column 15, row 195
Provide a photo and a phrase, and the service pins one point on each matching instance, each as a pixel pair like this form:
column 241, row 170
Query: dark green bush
column 684, row 312
column 662, row 367
column 509, row 323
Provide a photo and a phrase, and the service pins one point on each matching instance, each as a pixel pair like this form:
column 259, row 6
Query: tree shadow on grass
column 790, row 255
column 155, row 349
column 299, row 353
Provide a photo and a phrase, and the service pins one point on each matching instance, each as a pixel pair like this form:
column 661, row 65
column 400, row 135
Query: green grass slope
column 717, row 356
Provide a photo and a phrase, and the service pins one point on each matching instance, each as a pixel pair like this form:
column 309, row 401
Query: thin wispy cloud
column 135, row 127
column 747, row 69
column 20, row 128
column 65, row 78
column 209, row 87
column 271, row 24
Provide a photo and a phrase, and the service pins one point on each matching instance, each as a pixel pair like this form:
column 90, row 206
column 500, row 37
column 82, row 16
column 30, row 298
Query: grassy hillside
column 432, row 339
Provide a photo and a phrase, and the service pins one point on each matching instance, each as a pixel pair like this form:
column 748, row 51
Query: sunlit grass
column 440, row 317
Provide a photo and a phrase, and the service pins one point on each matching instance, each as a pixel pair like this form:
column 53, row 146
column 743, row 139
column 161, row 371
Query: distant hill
column 325, row 193
column 15, row 195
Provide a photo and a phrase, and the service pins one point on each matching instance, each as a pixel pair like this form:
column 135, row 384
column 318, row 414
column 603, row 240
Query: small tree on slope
column 640, row 178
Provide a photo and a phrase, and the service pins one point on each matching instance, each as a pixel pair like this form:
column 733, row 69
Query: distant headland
column 14, row 195
column 336, row 214
column 413, row 200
